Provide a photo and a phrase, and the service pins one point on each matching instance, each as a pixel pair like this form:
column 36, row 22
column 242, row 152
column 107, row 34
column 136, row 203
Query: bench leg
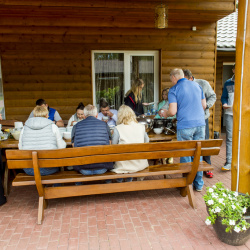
column 183, row 191
column 41, row 206
column 191, row 197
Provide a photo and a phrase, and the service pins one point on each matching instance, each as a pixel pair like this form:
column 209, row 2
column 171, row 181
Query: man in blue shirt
column 53, row 114
column 187, row 101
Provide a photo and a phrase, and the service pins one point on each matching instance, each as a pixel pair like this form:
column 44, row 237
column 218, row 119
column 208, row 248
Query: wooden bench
column 17, row 159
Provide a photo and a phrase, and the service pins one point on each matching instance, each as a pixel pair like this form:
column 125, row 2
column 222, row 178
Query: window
column 114, row 71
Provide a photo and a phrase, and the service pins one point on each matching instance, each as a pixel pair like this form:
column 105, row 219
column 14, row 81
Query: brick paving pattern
column 159, row 219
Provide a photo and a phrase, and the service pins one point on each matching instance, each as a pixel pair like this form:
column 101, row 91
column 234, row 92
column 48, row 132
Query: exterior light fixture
column 161, row 16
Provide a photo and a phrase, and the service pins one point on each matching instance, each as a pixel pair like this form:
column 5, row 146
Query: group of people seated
column 90, row 128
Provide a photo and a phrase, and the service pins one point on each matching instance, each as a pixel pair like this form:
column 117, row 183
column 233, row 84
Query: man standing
column 187, row 101
column 107, row 115
column 210, row 100
column 91, row 132
column 227, row 100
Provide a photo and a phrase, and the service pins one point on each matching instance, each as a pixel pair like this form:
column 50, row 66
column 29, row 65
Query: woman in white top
column 78, row 116
column 128, row 131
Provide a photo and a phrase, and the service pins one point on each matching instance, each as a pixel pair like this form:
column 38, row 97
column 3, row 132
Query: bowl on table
column 67, row 135
column 16, row 134
column 158, row 130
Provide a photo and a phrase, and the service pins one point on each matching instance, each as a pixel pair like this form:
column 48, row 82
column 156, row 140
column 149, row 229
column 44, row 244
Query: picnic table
column 12, row 143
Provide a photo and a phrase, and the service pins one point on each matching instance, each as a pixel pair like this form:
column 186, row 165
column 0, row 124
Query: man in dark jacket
column 91, row 132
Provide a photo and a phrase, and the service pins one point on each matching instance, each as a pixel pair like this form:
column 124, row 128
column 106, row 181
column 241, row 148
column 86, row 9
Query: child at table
column 164, row 104
column 40, row 133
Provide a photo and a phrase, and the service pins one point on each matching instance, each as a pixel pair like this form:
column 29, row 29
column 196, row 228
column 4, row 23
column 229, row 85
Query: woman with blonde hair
column 40, row 133
column 128, row 131
column 133, row 97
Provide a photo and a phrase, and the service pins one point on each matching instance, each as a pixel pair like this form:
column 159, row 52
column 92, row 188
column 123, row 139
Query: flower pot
column 231, row 238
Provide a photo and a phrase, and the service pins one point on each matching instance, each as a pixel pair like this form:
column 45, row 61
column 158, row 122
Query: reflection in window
column 109, row 78
column 2, row 110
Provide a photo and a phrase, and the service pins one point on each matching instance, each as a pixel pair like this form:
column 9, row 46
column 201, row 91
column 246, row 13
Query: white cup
column 105, row 118
column 18, row 125
column 0, row 128
column 69, row 129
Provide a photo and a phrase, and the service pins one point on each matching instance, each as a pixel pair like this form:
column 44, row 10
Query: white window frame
column 127, row 82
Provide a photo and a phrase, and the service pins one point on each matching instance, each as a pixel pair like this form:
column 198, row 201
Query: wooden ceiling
column 108, row 13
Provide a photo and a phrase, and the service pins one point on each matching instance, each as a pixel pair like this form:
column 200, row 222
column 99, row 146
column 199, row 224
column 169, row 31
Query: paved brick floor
column 159, row 219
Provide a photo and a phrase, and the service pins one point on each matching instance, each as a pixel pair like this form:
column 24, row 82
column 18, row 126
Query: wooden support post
column 241, row 108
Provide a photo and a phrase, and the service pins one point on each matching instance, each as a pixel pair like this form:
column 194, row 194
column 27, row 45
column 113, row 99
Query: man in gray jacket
column 210, row 100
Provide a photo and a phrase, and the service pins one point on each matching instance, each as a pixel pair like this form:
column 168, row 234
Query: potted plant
column 228, row 214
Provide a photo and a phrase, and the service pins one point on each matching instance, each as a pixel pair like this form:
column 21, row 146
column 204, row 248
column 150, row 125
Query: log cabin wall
column 46, row 53
column 222, row 57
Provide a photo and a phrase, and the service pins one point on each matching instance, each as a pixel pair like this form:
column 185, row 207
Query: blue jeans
column 207, row 159
column 92, row 171
column 229, row 137
column 196, row 133
column 43, row 171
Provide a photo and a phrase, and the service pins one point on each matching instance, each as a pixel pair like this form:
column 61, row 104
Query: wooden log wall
column 222, row 57
column 54, row 63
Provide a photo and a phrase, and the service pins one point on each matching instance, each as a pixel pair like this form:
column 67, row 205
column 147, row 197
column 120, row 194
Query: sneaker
column 170, row 160
column 226, row 167
column 198, row 189
column 208, row 174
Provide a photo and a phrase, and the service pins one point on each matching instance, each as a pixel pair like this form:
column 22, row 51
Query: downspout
column 241, row 84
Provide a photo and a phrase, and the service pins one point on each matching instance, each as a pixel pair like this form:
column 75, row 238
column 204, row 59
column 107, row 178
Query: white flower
column 244, row 210
column 208, row 222
column 237, row 229
column 236, row 194
column 230, row 198
column 210, row 190
column 214, row 186
column 214, row 195
column 221, row 200
column 224, row 195
column 244, row 228
column 212, row 211
column 210, row 202
column 217, row 210
column 233, row 206
column 232, row 222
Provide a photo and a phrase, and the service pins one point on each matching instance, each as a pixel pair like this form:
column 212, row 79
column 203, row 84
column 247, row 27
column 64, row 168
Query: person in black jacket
column 133, row 97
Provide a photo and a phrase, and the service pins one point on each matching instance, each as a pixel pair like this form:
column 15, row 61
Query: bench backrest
column 95, row 154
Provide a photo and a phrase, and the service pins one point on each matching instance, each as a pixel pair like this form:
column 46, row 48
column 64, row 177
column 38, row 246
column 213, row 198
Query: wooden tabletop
column 161, row 137
column 12, row 143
